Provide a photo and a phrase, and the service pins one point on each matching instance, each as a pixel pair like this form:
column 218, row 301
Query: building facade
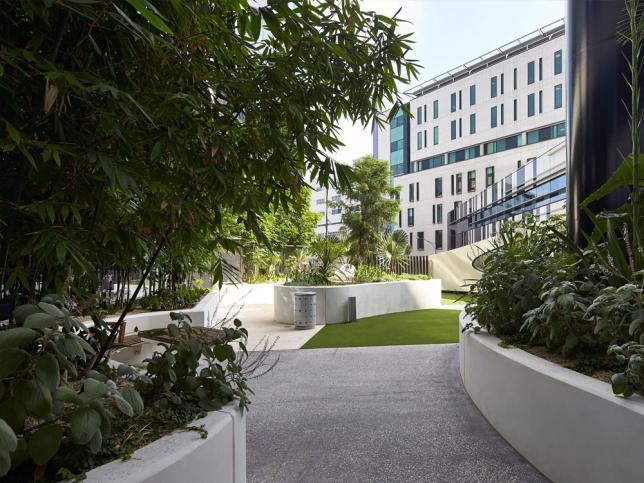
column 471, row 128
column 331, row 220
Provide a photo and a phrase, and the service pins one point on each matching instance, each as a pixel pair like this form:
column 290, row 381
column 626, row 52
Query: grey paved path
column 381, row 414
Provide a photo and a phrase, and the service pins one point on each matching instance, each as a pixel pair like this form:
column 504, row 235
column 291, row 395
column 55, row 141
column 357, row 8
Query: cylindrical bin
column 304, row 310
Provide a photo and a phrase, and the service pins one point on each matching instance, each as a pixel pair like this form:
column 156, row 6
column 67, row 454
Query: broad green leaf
column 44, row 443
column 84, row 423
column 34, row 396
column 48, row 371
column 132, row 396
column 93, row 388
column 618, row 382
column 622, row 176
column 40, row 320
column 10, row 360
column 8, row 440
column 68, row 395
column 51, row 309
column 96, row 442
column 22, row 312
column 17, row 337
column 13, row 412
column 97, row 375
column 123, row 405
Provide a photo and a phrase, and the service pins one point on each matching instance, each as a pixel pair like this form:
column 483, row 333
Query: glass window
column 436, row 109
column 419, row 115
column 420, row 240
column 493, row 87
column 439, row 239
column 438, row 187
column 558, row 66
column 545, row 133
column 453, row 102
column 531, row 72
column 489, row 176
column 410, row 217
column 460, row 127
column 460, row 100
column 425, row 111
column 502, row 82
column 459, row 183
column 419, row 140
column 425, row 138
column 472, row 123
column 411, row 191
column 453, row 129
column 493, row 117
column 515, row 78
column 417, row 192
column 336, row 211
column 319, row 201
column 515, row 109
column 540, row 68
column 400, row 219
column 558, row 96
column 411, row 238
column 530, row 105
column 439, row 213
column 540, row 102
column 472, row 95
column 471, row 181
column 464, row 154
column 435, row 135
column 502, row 114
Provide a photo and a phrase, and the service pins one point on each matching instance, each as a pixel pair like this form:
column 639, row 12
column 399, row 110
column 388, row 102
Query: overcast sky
column 448, row 33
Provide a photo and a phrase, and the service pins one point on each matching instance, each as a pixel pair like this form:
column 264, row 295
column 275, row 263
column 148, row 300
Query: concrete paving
column 374, row 414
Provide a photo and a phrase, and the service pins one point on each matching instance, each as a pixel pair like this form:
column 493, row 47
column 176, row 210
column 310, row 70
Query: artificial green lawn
column 450, row 298
column 431, row 326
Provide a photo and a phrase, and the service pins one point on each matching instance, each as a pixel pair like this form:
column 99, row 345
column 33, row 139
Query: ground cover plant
column 538, row 288
column 430, row 326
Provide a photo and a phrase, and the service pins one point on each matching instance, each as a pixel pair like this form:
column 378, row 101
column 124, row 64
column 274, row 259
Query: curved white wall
column 184, row 456
column 569, row 426
column 371, row 299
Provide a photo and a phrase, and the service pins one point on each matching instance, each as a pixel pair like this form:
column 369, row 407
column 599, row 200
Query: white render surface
column 371, row 299
column 184, row 456
column 571, row 427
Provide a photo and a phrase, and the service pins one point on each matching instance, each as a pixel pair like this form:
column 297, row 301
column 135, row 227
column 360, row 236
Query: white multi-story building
column 472, row 127
column 331, row 220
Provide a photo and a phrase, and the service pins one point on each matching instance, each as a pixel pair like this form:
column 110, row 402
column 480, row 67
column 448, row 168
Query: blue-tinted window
column 493, row 117
column 453, row 102
column 540, row 68
column 489, row 176
column 558, row 66
column 540, row 102
column 436, row 109
column 464, row 154
column 438, row 241
column 472, row 95
column 410, row 217
column 558, row 96
column 419, row 140
column 453, row 129
column 530, row 105
column 504, row 144
column 419, row 115
column 550, row 132
column 420, row 240
column 493, row 87
column 438, row 187
column 433, row 162
column 439, row 213
column 531, row 72
column 472, row 123
column 471, row 181
column 435, row 135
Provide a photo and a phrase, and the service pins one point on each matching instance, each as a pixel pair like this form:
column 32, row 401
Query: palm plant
column 392, row 250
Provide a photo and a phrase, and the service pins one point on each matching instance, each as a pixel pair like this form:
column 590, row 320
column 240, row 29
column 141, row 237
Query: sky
column 448, row 33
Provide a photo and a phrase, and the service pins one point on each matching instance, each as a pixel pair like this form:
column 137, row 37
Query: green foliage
column 47, row 395
column 393, row 250
column 369, row 205
column 123, row 123
column 182, row 298
column 619, row 312
column 630, row 381
column 195, row 370
column 515, row 270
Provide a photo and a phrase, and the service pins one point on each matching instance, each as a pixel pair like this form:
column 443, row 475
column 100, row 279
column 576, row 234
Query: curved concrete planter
column 184, row 456
column 371, row 299
column 569, row 426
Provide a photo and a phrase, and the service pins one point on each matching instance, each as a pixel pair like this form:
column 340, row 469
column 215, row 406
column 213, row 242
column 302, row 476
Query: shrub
column 630, row 381
column 47, row 394
column 182, row 298
column 619, row 313
column 514, row 270
column 369, row 273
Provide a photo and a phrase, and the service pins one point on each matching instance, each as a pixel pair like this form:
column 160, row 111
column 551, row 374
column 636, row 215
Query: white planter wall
column 569, row 426
column 371, row 299
column 185, row 457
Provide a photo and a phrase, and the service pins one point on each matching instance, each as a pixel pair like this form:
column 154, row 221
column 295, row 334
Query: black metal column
column 597, row 119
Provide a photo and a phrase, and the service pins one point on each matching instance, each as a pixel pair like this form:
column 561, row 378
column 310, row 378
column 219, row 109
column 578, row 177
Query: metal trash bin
column 304, row 310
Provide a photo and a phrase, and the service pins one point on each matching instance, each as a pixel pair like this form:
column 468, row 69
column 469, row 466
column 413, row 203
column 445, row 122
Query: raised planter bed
column 371, row 299
column 184, row 456
column 571, row 427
